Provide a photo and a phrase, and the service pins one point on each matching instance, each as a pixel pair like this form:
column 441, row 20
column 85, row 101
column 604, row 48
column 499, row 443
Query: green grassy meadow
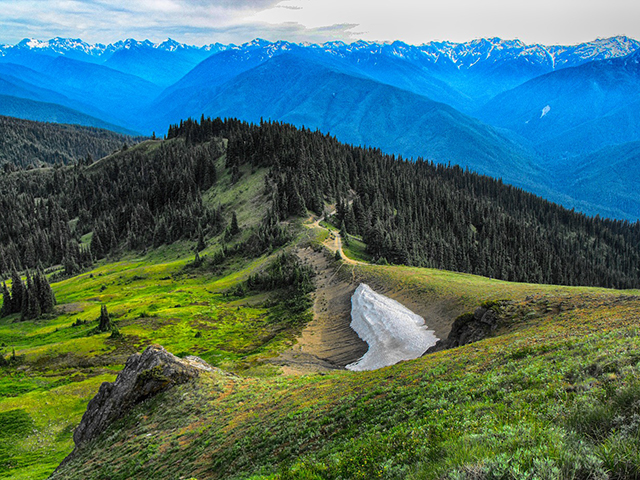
column 57, row 363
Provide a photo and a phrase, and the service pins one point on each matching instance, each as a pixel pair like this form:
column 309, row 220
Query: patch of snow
column 392, row 331
column 545, row 110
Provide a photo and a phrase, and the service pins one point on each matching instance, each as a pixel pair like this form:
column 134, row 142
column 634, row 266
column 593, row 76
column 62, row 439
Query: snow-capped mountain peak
column 60, row 46
column 472, row 55
column 169, row 45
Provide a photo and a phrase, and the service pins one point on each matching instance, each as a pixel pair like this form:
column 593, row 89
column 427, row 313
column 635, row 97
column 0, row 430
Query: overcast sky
column 237, row 21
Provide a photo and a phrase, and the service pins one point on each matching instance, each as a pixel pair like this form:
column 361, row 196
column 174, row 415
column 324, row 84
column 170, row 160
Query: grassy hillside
column 265, row 424
column 551, row 396
column 56, row 364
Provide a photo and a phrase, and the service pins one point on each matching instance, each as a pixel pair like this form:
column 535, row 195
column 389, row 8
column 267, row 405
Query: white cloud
column 206, row 21
column 542, row 21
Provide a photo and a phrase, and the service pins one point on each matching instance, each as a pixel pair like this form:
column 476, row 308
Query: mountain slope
column 575, row 99
column 122, row 234
column 23, row 82
column 25, row 143
column 550, row 110
column 356, row 110
column 119, row 94
column 553, row 395
column 607, row 177
column 160, row 66
column 51, row 112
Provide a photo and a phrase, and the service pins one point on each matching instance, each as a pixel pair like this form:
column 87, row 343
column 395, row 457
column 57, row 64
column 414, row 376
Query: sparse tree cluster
column 31, row 299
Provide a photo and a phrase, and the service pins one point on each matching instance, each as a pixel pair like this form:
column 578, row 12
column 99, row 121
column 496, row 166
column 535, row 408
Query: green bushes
column 615, row 412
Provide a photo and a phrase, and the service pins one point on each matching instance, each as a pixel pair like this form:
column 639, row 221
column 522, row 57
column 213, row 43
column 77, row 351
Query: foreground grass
column 259, row 424
column 555, row 396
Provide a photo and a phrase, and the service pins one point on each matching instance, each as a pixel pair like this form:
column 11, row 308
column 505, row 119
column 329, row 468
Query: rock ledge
column 143, row 376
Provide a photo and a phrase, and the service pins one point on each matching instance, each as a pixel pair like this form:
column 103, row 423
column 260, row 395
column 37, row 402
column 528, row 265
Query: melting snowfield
column 392, row 331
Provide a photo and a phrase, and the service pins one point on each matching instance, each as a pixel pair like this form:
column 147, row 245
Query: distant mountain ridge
column 463, row 55
column 67, row 46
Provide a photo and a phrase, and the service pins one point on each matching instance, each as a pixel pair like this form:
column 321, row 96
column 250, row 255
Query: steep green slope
column 550, row 396
column 55, row 364
column 24, row 142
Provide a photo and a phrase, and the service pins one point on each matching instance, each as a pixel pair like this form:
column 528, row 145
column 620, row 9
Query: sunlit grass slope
column 556, row 395
column 60, row 366
column 60, row 361
column 515, row 396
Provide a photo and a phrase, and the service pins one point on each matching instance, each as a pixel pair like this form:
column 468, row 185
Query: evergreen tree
column 104, row 322
column 30, row 304
column 344, row 234
column 45, row 295
column 17, row 292
column 234, row 229
column 201, row 243
column 6, row 301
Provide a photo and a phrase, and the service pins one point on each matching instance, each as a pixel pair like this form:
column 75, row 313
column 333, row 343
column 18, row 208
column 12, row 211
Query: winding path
column 334, row 242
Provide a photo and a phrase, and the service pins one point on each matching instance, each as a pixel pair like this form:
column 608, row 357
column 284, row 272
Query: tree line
column 426, row 214
column 407, row 212
column 31, row 299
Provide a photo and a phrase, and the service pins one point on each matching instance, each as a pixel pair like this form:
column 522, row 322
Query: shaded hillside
column 119, row 94
column 20, row 84
column 24, row 142
column 550, row 110
column 359, row 111
column 607, row 177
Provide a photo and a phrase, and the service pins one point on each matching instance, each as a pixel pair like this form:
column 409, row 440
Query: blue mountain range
column 559, row 121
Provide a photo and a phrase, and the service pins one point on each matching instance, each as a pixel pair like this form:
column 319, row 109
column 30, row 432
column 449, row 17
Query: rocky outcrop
column 143, row 376
column 469, row 328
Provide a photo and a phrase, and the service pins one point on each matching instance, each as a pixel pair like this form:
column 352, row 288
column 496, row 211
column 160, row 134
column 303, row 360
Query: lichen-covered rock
column 469, row 328
column 143, row 376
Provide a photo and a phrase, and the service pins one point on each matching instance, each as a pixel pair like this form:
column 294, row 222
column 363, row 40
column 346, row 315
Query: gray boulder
column 143, row 376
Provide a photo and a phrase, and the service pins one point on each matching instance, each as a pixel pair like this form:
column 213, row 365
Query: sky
column 201, row 22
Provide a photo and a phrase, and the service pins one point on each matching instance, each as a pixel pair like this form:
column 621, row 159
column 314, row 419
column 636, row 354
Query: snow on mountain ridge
column 462, row 56
column 60, row 46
